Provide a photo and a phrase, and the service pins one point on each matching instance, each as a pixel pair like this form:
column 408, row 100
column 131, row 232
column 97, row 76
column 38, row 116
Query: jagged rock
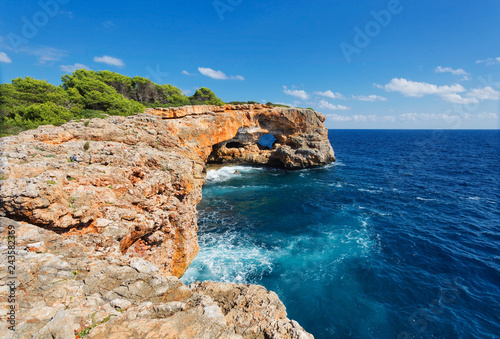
column 135, row 192
column 143, row 266
column 121, row 304
column 250, row 319
column 59, row 327
column 72, row 289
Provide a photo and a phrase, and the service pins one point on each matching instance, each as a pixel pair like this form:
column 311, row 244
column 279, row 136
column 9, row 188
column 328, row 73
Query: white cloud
column 458, row 71
column 456, row 98
column 72, row 68
column 371, row 97
column 485, row 93
column 336, row 117
column 301, row 94
column 447, row 117
column 110, row 61
column 69, row 14
column 482, row 116
column 108, row 24
column 327, row 105
column 330, row 94
column 412, row 117
column 447, row 93
column 44, row 53
column 429, row 116
column 218, row 75
column 489, row 61
column 186, row 73
column 5, row 58
column 362, row 118
column 473, row 96
column 418, row 89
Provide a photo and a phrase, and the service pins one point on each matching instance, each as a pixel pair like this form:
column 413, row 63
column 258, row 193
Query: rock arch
column 230, row 134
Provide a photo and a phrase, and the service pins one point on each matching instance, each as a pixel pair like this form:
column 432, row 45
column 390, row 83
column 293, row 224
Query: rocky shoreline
column 105, row 221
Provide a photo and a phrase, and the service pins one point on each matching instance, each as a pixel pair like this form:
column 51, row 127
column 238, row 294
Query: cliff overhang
column 233, row 132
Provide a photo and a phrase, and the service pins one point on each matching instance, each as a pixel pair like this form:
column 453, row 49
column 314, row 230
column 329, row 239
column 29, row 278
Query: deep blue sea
column 400, row 238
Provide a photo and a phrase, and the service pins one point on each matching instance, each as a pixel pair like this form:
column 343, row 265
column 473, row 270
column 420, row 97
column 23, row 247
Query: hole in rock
column 267, row 141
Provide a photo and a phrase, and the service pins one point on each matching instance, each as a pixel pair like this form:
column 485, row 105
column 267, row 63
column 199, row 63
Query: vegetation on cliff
column 27, row 103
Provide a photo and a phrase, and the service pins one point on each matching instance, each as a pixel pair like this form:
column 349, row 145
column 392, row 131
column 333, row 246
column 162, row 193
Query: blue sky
column 365, row 64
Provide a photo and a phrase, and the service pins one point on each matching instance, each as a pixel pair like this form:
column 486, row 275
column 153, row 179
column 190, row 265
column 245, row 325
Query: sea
column 399, row 238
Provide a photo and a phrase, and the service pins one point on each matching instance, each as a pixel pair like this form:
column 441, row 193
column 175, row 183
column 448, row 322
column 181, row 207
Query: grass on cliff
column 86, row 331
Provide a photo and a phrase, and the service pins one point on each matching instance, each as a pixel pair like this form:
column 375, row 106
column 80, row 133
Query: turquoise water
column 399, row 238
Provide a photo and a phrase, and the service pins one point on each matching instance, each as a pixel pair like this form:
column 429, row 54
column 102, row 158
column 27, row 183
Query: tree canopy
column 27, row 103
column 205, row 96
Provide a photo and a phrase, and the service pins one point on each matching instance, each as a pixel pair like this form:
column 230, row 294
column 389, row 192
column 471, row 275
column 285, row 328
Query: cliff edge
column 100, row 196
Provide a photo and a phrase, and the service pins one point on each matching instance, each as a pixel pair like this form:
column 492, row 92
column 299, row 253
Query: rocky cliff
column 230, row 134
column 105, row 215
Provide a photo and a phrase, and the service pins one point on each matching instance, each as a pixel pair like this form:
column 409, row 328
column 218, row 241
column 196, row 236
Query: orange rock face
column 230, row 134
column 135, row 189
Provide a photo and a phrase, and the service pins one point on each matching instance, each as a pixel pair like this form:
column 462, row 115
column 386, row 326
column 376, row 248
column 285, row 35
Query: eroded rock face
column 66, row 287
column 251, row 311
column 132, row 184
column 116, row 198
column 234, row 132
column 133, row 191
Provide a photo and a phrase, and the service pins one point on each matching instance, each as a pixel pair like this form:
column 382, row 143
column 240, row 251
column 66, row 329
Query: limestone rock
column 104, row 231
column 72, row 289
column 230, row 134
column 250, row 319
column 135, row 192
column 59, row 327
column 136, row 188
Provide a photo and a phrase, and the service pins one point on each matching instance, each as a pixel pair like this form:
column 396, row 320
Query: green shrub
column 205, row 96
column 277, row 105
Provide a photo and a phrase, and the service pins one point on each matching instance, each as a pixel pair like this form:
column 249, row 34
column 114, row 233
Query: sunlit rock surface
column 114, row 200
